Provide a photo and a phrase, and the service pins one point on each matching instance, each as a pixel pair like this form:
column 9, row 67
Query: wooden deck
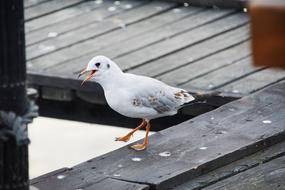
column 240, row 145
column 190, row 47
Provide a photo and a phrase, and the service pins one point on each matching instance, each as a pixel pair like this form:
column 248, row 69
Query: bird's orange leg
column 128, row 136
column 145, row 143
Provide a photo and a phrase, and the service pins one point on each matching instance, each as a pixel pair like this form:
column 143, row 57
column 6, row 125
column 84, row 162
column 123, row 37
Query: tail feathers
column 200, row 97
column 204, row 96
column 184, row 97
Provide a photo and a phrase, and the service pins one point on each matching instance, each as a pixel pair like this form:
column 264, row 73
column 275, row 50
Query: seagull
column 136, row 96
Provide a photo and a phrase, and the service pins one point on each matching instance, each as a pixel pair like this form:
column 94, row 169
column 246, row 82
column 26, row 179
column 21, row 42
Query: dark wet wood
column 66, row 179
column 237, row 167
column 196, row 147
column 270, row 175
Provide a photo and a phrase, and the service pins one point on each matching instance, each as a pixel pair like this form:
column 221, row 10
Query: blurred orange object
column 268, row 32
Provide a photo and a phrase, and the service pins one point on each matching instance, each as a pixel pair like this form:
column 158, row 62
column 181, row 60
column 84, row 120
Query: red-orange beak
column 88, row 77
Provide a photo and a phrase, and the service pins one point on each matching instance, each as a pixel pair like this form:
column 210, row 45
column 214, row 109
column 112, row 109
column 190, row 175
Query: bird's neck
column 114, row 79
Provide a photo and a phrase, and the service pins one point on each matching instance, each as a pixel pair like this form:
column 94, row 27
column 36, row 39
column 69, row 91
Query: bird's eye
column 97, row 64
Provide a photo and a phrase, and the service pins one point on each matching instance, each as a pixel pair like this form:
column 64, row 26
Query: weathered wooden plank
column 234, row 168
column 144, row 39
column 48, row 7
column 236, row 4
column 270, row 175
column 85, row 13
column 51, row 19
column 198, row 67
column 115, row 38
column 194, row 53
column 209, row 141
column 199, row 50
column 58, row 81
column 224, row 76
column 113, row 184
column 255, row 81
column 71, row 179
column 163, row 33
column 96, row 29
column 59, row 94
column 48, row 175
column 68, row 179
column 158, row 50
column 30, row 3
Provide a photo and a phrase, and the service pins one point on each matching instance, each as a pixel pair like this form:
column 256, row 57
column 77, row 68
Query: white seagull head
column 99, row 67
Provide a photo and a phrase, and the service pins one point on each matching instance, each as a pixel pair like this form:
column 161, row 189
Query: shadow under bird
column 136, row 96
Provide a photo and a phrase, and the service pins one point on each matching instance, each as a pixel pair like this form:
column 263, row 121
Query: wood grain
column 196, row 147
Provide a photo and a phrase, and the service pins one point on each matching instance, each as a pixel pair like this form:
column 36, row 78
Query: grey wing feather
column 160, row 102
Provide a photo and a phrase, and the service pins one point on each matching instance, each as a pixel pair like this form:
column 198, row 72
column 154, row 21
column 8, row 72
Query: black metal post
column 13, row 100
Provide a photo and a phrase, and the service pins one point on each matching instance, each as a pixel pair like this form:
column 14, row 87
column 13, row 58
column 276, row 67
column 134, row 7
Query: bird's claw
column 138, row 147
column 124, row 138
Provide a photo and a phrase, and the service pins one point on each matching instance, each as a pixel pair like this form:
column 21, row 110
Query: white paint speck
column 111, row 9
column 136, row 159
column 245, row 10
column 46, row 48
column 266, row 121
column 232, row 109
column 235, row 91
column 190, row 59
column 120, row 23
column 176, row 10
column 123, row 25
column 128, row 6
column 203, row 148
column 212, row 118
column 165, row 154
column 33, row 188
column 60, row 176
column 201, row 161
column 116, row 175
column 210, row 85
column 120, row 166
column 99, row 2
column 186, row 4
column 117, row 2
column 52, row 34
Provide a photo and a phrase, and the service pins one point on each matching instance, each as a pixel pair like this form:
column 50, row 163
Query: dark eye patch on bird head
column 108, row 65
column 97, row 64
